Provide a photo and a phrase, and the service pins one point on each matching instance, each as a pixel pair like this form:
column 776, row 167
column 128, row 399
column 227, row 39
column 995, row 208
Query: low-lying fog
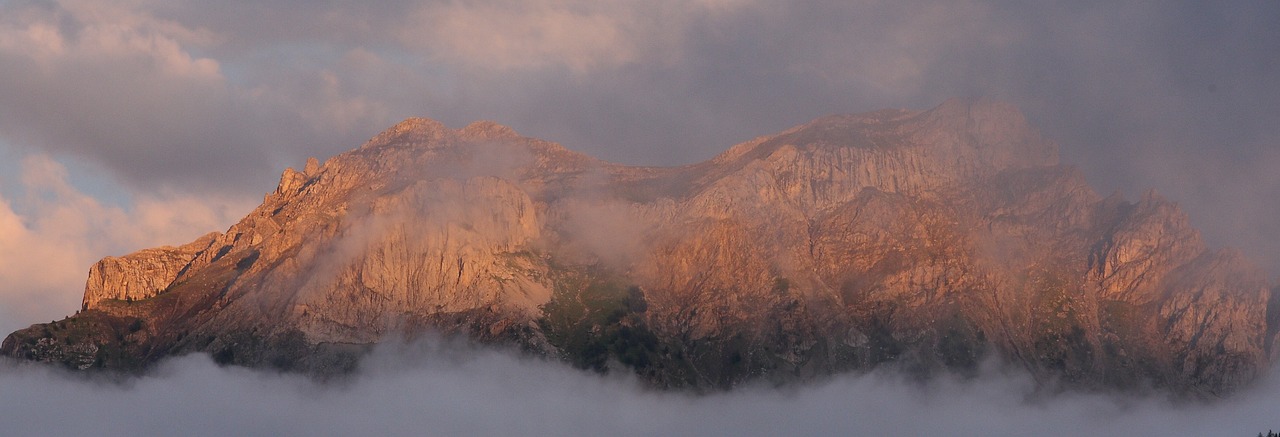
column 445, row 389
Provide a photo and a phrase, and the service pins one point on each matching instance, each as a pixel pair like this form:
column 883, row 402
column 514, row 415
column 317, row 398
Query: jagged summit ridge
column 998, row 128
column 412, row 130
column 923, row 240
column 488, row 130
column 425, row 131
column 823, row 163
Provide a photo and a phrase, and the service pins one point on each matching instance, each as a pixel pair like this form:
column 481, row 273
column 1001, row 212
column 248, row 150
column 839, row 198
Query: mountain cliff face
column 922, row 240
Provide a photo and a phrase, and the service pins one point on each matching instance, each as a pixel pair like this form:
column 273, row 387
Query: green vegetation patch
column 594, row 318
column 1061, row 342
column 90, row 340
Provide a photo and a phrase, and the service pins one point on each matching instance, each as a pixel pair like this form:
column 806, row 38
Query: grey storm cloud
column 218, row 97
column 1132, row 89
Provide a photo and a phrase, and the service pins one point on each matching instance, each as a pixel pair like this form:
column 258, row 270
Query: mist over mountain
column 923, row 242
column 442, row 388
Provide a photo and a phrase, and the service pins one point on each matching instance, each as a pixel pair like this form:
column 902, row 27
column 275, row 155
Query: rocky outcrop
column 140, row 275
column 923, row 240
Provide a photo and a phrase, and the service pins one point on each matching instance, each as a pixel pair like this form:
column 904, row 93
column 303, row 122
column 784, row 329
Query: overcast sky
column 135, row 123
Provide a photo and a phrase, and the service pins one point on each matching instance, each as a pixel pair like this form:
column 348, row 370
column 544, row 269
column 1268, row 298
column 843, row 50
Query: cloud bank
column 437, row 388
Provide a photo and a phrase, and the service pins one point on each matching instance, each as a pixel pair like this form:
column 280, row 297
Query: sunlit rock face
column 925, row 241
column 140, row 275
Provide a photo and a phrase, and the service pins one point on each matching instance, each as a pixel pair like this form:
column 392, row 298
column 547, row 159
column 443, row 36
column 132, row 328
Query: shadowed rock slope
column 920, row 240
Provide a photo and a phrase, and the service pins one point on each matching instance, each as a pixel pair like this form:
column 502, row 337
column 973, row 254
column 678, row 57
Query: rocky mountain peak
column 140, row 275
column 413, row 130
column 973, row 133
column 488, row 130
column 997, row 131
column 924, row 240
column 312, row 167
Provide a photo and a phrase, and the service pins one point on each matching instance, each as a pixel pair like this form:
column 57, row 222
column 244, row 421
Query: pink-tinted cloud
column 52, row 234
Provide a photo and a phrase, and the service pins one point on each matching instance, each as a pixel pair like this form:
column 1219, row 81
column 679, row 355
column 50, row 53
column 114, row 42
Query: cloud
column 198, row 97
column 524, row 35
column 125, row 90
column 582, row 37
column 52, row 234
column 443, row 388
column 612, row 232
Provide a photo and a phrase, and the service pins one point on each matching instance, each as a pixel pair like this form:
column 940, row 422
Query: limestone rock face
column 922, row 240
column 140, row 275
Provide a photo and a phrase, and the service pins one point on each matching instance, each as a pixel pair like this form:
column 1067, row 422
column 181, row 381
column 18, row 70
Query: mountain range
column 924, row 241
